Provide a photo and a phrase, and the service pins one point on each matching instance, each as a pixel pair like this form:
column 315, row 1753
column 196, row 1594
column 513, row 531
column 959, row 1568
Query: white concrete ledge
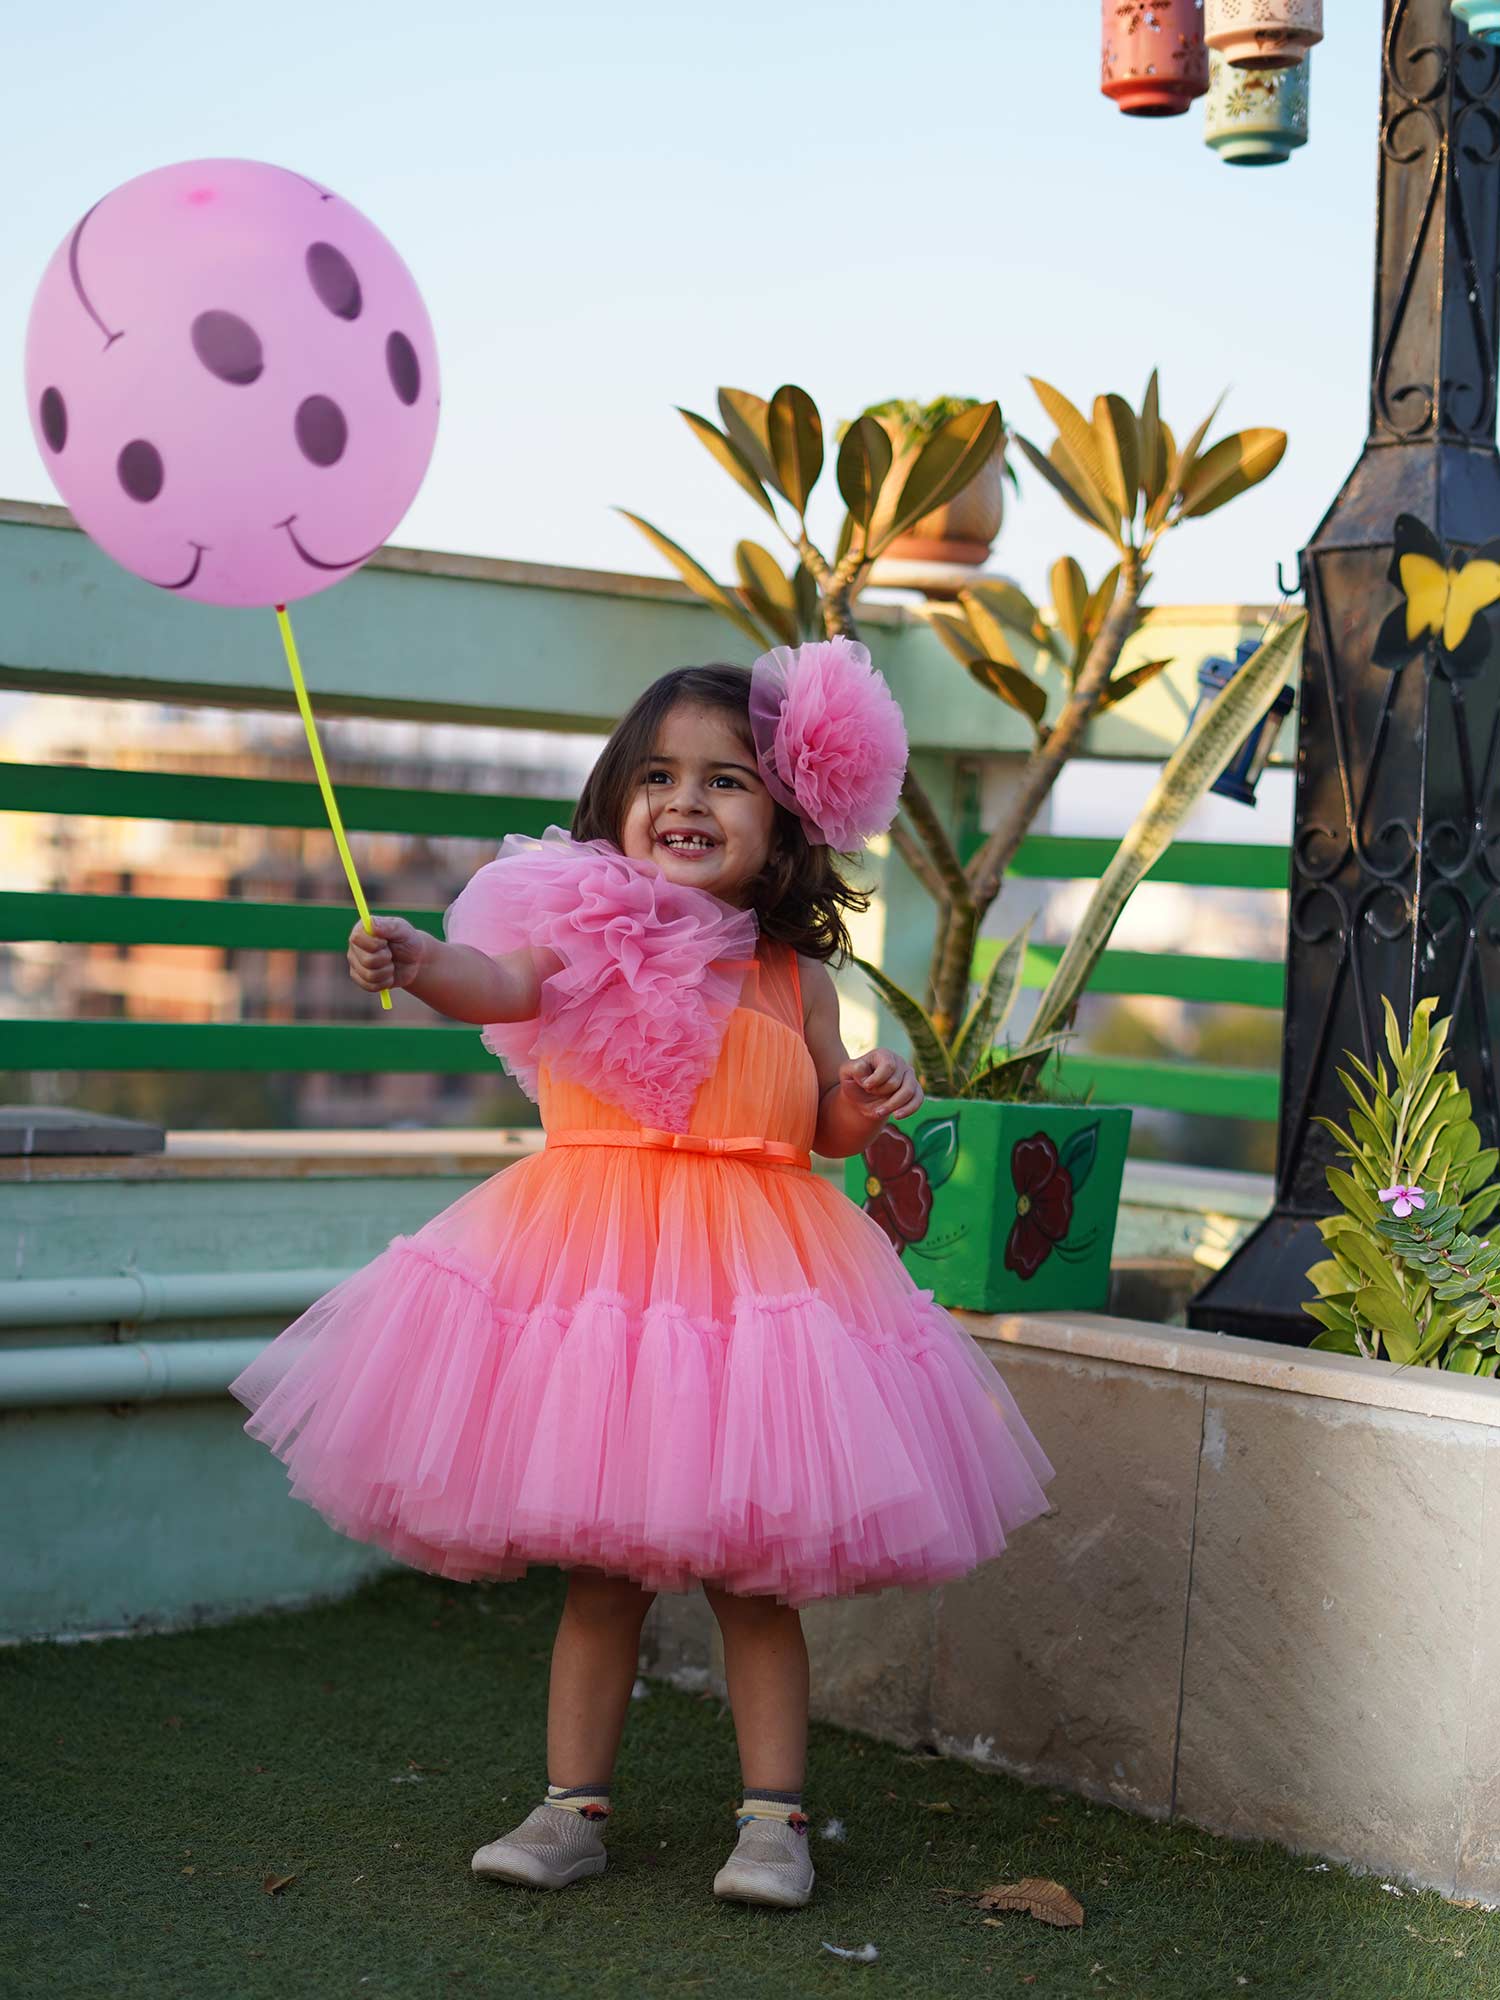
column 1222, row 1357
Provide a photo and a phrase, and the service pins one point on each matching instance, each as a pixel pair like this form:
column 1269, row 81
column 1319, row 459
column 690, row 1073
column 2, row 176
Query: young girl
column 663, row 1351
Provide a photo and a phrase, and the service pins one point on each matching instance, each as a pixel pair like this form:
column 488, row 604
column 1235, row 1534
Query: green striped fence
column 356, row 1047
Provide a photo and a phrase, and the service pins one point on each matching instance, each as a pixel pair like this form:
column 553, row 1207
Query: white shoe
column 770, row 1864
column 549, row 1849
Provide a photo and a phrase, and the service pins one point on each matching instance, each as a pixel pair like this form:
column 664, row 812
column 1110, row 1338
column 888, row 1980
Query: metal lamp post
column 1395, row 869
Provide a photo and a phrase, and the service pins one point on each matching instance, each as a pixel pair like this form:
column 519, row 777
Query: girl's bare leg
column 765, row 1664
column 593, row 1670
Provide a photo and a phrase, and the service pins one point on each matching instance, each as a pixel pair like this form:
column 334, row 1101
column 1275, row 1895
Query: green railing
column 359, row 1047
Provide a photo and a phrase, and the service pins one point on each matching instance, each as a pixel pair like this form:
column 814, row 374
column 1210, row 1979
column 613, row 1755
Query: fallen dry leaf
column 1048, row 1901
column 935, row 1805
column 274, row 1884
column 187, row 1871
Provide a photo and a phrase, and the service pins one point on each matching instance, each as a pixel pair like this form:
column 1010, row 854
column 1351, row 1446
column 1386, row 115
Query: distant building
column 185, row 983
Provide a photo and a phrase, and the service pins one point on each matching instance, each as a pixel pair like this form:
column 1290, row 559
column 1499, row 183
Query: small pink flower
column 1403, row 1199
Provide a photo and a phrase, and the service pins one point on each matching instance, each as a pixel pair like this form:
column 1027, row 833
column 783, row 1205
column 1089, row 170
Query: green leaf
column 1079, row 1154
column 936, row 1146
column 1004, row 1080
column 1012, row 686
column 1104, row 510
column 953, row 628
column 729, row 455
column 1232, row 467
column 1328, row 1277
column 1100, row 604
column 1070, row 495
column 747, row 420
column 698, row 580
column 952, row 458
column 1397, row 1324
column 1125, row 685
column 1070, row 598
column 864, row 461
column 768, row 591
column 1351, row 1196
column 1077, row 434
column 997, row 613
column 809, row 604
column 795, row 435
column 992, row 1006
column 934, row 1060
column 1183, row 463
column 1153, row 444
column 1120, row 450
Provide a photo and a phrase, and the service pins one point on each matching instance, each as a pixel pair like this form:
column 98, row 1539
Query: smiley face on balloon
column 233, row 381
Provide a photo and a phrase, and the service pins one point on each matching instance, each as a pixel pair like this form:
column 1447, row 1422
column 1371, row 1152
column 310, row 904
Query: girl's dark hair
column 800, row 896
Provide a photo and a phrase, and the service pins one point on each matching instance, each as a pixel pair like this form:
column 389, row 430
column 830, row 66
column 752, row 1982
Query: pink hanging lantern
column 1264, row 34
column 1155, row 60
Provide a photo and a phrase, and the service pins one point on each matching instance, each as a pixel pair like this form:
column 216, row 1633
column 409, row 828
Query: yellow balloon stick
column 325, row 784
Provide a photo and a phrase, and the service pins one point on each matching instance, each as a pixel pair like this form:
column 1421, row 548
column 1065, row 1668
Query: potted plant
column 962, row 531
column 1407, row 1279
column 1009, row 1192
column 1123, row 474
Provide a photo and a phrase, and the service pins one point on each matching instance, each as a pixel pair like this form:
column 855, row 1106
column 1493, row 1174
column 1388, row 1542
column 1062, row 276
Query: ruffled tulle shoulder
column 650, row 971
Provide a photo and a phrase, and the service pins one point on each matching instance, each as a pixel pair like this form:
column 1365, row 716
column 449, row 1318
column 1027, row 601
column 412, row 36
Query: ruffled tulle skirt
column 674, row 1369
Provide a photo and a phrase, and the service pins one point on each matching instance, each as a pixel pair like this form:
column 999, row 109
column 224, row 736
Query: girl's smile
column 701, row 811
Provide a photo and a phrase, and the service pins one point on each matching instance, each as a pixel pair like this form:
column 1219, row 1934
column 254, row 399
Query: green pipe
column 144, row 1371
column 140, row 1371
column 148, row 1295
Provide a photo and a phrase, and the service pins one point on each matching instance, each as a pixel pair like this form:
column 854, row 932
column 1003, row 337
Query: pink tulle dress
column 663, row 1345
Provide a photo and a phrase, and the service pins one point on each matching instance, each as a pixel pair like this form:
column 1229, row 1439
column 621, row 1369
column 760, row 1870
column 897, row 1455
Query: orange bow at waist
column 755, row 1152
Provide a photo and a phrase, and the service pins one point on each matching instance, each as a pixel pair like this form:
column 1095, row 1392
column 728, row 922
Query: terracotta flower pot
column 1155, row 60
column 1264, row 34
column 964, row 531
column 1255, row 118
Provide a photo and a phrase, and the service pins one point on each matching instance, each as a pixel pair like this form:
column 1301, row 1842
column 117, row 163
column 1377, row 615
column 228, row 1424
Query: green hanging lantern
column 1255, row 118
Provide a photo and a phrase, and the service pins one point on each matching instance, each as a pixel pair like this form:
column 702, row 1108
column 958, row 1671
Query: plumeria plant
column 1407, row 1278
column 1120, row 471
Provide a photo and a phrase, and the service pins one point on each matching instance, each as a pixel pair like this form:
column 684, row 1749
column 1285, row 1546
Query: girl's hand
column 392, row 957
column 881, row 1085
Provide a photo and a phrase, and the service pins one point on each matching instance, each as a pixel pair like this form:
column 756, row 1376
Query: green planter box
column 1000, row 1207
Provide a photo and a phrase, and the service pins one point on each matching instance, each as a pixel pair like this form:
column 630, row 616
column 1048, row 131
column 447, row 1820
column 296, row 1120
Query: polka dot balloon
column 233, row 381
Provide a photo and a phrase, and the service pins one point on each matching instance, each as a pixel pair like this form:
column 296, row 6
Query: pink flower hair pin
column 1403, row 1199
column 829, row 740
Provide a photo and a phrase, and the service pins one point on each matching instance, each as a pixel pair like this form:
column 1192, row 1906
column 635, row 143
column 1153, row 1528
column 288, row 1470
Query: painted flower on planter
column 1046, row 1182
column 898, row 1194
column 901, row 1173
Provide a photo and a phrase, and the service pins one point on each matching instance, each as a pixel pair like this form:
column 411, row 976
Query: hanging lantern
column 1480, row 17
column 1255, row 118
column 1241, row 775
column 1155, row 61
column 1268, row 34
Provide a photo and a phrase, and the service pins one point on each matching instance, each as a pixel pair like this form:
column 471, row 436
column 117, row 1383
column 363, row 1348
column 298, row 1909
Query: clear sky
column 613, row 209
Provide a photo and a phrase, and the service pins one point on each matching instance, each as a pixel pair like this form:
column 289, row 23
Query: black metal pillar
column 1395, row 880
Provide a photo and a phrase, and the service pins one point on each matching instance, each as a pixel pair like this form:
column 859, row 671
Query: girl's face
column 700, row 811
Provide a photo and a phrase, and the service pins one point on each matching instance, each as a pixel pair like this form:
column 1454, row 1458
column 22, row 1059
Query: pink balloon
column 233, row 381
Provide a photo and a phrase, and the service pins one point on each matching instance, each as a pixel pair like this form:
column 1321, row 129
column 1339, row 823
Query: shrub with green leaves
column 1420, row 1288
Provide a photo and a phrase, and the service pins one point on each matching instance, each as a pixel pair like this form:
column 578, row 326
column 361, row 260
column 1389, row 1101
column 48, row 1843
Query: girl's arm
column 855, row 1097
column 453, row 979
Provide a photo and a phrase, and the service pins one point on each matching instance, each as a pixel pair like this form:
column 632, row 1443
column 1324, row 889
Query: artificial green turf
column 153, row 1785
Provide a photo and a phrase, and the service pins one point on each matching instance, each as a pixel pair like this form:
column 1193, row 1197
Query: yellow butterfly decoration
column 1443, row 601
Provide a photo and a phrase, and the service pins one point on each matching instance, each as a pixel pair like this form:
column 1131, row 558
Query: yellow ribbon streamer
column 325, row 784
